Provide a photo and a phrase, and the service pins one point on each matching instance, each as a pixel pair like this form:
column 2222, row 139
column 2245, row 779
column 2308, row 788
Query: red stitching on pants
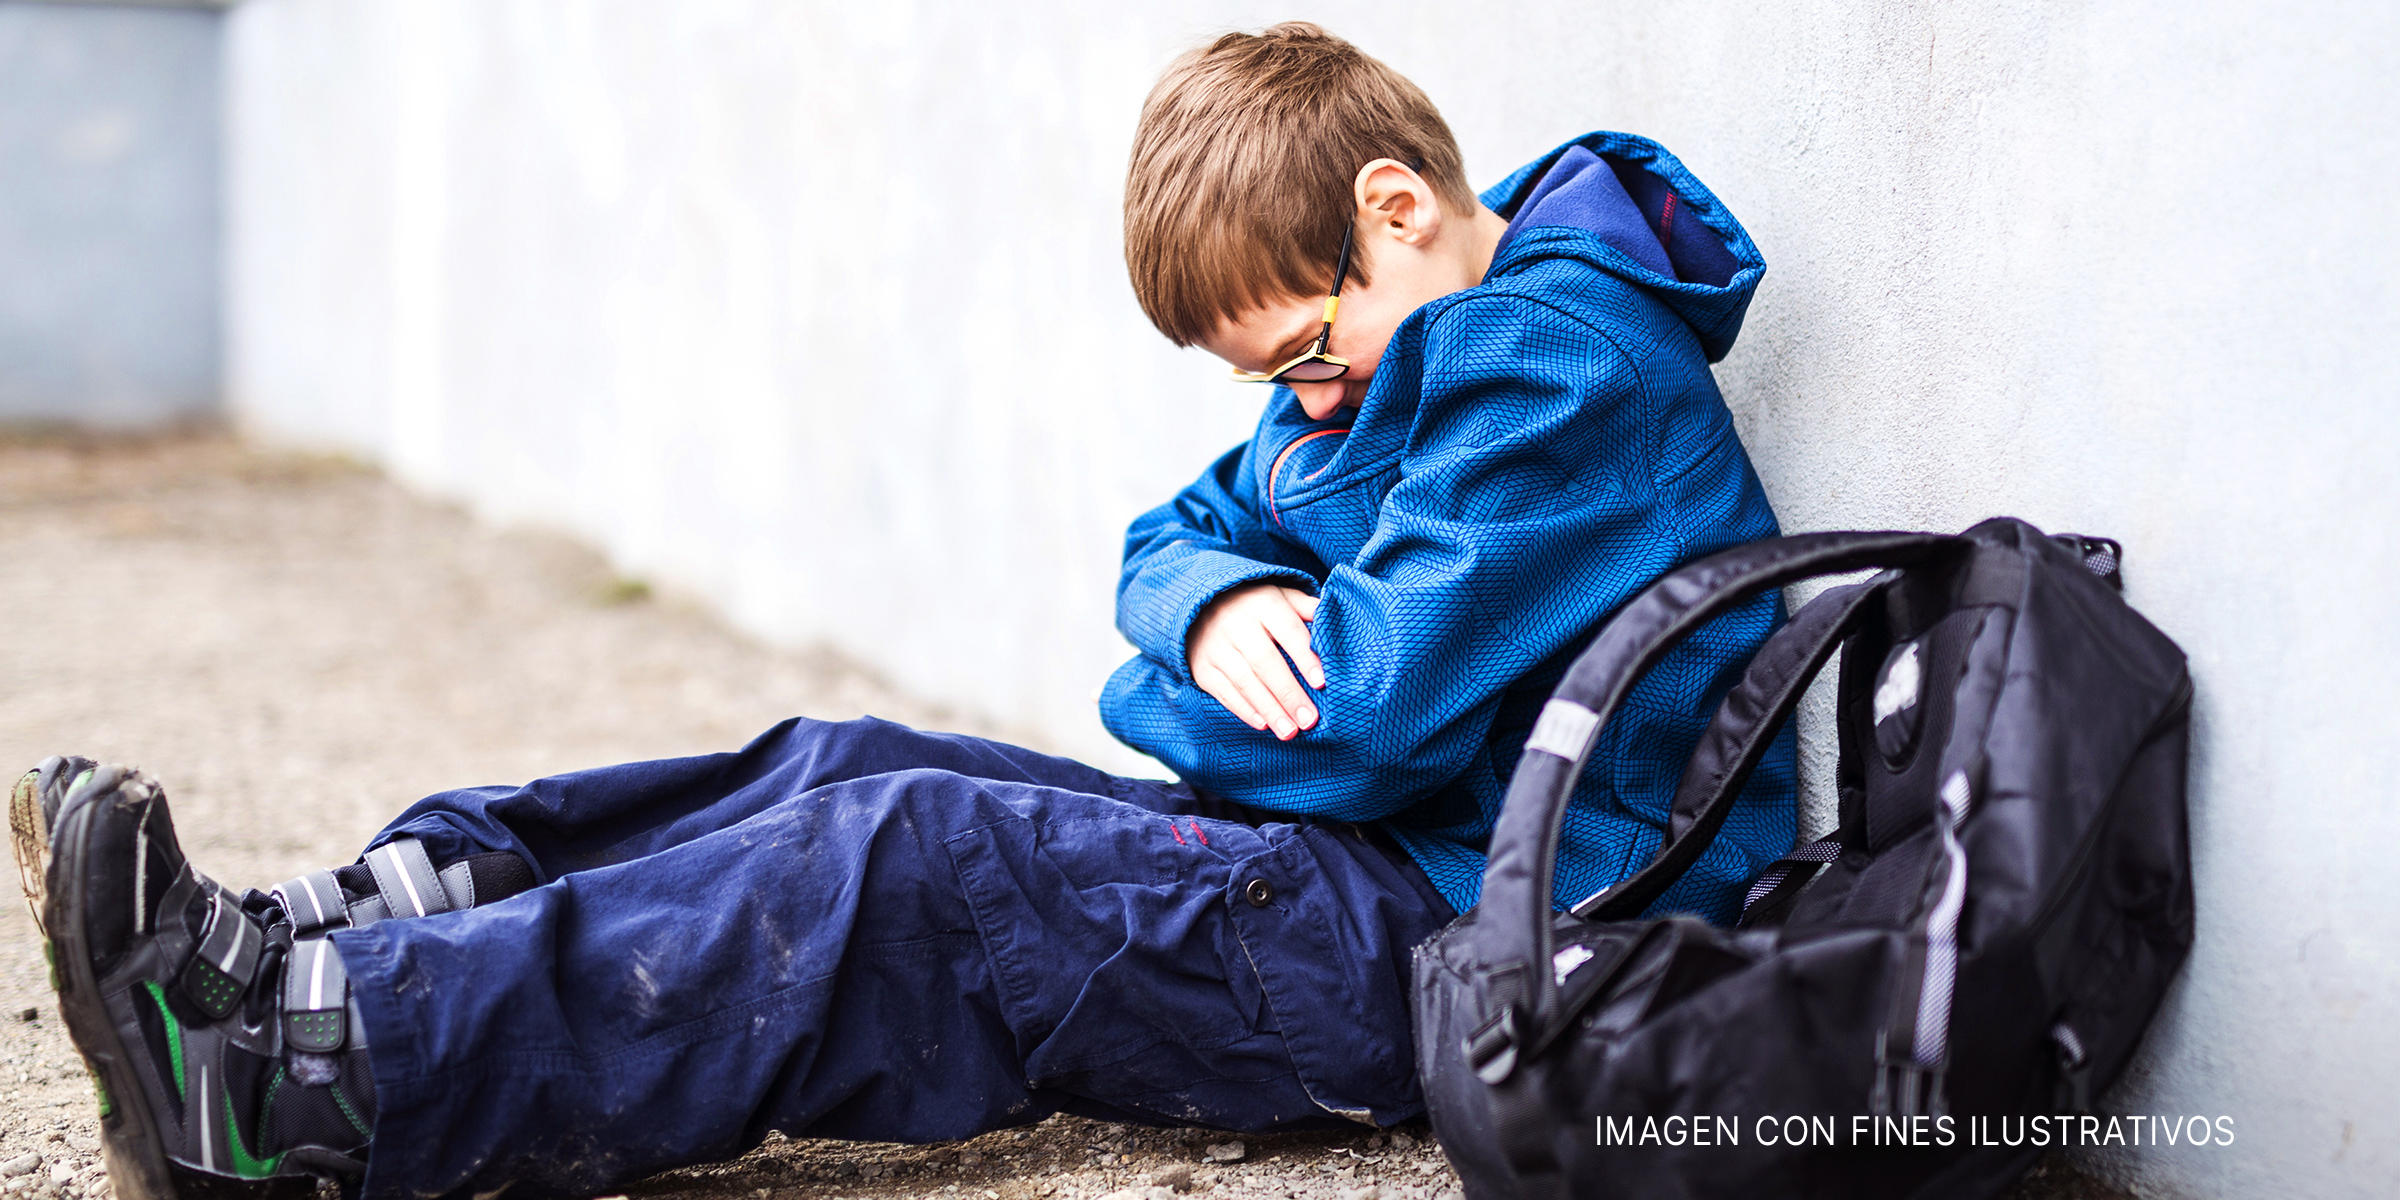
column 1178, row 834
column 1196, row 832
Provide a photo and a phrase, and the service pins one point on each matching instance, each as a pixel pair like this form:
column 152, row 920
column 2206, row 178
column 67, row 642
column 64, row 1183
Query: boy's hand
column 1236, row 652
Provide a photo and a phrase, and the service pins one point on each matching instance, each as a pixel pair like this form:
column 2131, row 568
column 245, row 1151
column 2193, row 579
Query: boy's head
column 1255, row 155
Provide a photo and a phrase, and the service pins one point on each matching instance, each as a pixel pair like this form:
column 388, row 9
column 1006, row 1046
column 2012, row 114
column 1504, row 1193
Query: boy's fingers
column 1292, row 635
column 1238, row 659
column 1286, row 706
column 1235, row 659
column 1263, row 699
column 1221, row 689
column 1288, row 693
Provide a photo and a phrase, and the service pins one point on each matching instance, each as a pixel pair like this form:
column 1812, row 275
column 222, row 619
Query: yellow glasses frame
column 1316, row 350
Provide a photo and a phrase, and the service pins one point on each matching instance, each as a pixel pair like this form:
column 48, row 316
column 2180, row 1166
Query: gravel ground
column 297, row 649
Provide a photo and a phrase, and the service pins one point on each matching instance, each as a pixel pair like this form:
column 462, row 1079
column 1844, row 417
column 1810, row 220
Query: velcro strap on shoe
column 316, row 997
column 458, row 880
column 407, row 879
column 174, row 939
column 313, row 902
column 227, row 959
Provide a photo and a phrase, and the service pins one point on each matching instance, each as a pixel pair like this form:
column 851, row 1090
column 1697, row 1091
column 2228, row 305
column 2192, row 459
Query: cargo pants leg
column 862, row 931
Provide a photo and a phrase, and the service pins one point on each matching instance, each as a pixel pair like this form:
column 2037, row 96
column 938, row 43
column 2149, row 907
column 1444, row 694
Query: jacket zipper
column 1275, row 473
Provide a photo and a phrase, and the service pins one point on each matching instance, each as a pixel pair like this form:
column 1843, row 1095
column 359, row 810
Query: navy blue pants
column 859, row 930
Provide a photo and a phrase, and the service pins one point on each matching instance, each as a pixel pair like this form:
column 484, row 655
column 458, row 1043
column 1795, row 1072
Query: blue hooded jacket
column 1533, row 452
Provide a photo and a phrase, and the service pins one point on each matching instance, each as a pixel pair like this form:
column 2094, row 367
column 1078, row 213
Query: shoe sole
column 29, row 829
column 29, row 836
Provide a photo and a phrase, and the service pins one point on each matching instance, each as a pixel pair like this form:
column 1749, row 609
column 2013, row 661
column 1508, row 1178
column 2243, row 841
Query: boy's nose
column 1319, row 400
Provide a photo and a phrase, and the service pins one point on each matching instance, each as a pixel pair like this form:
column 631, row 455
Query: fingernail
column 1308, row 718
column 1284, row 730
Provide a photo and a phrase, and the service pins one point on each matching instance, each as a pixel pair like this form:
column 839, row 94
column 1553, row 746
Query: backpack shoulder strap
column 1518, row 876
column 1738, row 736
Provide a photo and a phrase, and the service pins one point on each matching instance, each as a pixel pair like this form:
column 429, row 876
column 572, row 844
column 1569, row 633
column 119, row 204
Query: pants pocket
column 1117, row 966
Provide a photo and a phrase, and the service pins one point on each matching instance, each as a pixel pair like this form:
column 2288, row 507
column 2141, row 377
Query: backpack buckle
column 1492, row 1049
column 2074, row 1069
column 1905, row 1087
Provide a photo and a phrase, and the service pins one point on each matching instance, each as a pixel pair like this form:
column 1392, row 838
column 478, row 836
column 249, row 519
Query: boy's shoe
column 32, row 805
column 227, row 1056
column 378, row 887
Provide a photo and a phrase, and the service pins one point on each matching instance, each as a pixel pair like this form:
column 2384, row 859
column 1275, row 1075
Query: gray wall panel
column 109, row 213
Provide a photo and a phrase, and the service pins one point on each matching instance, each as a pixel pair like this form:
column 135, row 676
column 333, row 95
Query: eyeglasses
column 1313, row 365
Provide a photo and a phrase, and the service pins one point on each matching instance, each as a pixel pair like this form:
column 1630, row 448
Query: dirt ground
column 297, row 649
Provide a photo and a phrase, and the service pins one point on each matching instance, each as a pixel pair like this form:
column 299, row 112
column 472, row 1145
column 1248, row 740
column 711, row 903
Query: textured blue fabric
column 1532, row 453
column 860, row 930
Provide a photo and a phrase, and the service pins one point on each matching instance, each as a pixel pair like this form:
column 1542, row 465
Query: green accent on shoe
column 82, row 779
column 244, row 1165
column 108, row 1107
column 174, row 1033
column 349, row 1114
column 50, row 956
column 266, row 1112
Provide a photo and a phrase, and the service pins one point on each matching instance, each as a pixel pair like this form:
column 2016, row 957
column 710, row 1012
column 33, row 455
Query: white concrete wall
column 816, row 311
column 109, row 229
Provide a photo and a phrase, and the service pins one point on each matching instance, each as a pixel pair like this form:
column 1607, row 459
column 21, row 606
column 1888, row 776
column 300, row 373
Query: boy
column 1503, row 430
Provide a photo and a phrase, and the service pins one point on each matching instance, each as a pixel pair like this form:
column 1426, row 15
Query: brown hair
column 1241, row 182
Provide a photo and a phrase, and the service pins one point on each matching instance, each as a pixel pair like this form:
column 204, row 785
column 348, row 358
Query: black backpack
column 1975, row 949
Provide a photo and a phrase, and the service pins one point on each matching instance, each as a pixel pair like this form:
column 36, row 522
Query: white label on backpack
column 1565, row 730
column 1900, row 683
column 1563, row 963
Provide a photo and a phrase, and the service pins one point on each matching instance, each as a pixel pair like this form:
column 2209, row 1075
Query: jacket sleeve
column 1520, row 516
column 1184, row 553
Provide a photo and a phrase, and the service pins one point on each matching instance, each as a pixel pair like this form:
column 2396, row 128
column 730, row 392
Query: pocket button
column 1258, row 893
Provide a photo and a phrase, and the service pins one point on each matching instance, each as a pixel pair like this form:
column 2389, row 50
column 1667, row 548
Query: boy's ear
column 1397, row 202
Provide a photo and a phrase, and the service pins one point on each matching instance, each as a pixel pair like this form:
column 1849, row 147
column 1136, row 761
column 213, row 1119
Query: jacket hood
column 1624, row 205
